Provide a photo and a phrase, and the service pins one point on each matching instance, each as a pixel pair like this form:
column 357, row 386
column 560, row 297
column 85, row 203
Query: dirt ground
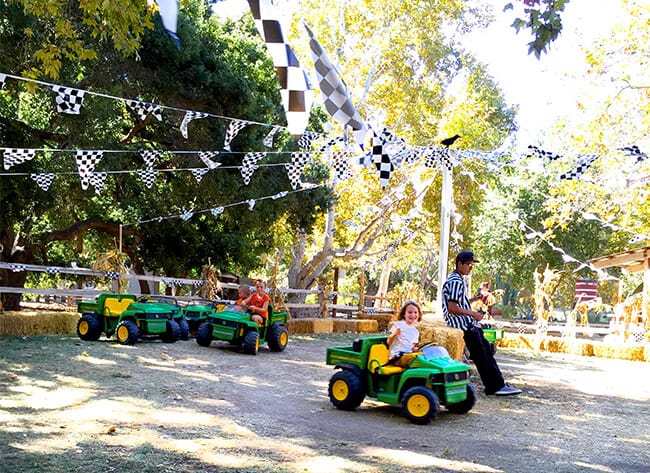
column 73, row 406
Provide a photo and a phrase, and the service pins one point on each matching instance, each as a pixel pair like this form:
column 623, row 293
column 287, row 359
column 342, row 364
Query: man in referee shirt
column 458, row 313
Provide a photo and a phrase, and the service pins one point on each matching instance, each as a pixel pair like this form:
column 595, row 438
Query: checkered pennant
column 52, row 270
column 234, row 127
column 268, row 139
column 634, row 152
column 279, row 195
column 198, row 173
column 189, row 116
column 144, row 109
column 43, row 180
column 341, row 166
column 86, row 162
column 295, row 91
column 294, row 172
column 186, row 215
column 14, row 156
column 247, row 172
column 380, row 159
column 217, row 211
column 150, row 157
column 251, row 204
column 97, row 180
column 68, row 100
column 17, row 268
column 307, row 139
column 112, row 275
column 148, row 176
column 3, row 78
column 206, row 157
column 327, row 146
column 540, row 153
column 584, row 162
column 249, row 165
column 336, row 99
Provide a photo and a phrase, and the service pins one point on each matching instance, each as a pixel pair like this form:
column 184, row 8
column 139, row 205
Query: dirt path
column 67, row 405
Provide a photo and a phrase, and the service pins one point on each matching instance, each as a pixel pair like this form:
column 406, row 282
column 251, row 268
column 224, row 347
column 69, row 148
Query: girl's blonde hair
column 402, row 312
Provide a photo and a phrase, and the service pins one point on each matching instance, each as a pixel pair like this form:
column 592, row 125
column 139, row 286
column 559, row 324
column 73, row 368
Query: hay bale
column 621, row 352
column 28, row 323
column 313, row 325
column 450, row 338
column 383, row 320
column 355, row 326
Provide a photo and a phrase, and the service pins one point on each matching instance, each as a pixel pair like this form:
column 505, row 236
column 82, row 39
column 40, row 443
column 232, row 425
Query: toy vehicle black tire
column 127, row 332
column 278, row 337
column 251, row 342
column 204, row 334
column 467, row 404
column 173, row 332
column 185, row 329
column 346, row 390
column 89, row 328
column 420, row 405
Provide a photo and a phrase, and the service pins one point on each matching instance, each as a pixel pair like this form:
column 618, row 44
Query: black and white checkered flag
column 294, row 169
column 17, row 268
column 189, row 116
column 186, row 215
column 336, row 99
column 198, row 173
column 268, row 139
column 584, row 162
column 307, row 139
column 249, row 165
column 328, row 145
column 68, row 100
column 14, row 156
column 341, row 166
column 380, row 158
column 97, row 180
column 540, row 153
column 217, row 211
column 144, row 109
column 206, row 157
column 86, row 162
column 150, row 157
column 634, row 152
column 43, row 180
column 3, row 78
column 297, row 95
column 148, row 176
column 52, row 270
column 234, row 127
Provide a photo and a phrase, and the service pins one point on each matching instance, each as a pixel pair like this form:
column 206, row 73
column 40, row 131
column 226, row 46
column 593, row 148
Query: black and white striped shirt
column 455, row 290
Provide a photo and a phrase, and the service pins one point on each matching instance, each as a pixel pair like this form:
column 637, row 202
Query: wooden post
column 335, row 298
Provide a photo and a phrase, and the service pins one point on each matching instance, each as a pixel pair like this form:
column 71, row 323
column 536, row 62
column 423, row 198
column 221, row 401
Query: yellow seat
column 378, row 357
column 114, row 307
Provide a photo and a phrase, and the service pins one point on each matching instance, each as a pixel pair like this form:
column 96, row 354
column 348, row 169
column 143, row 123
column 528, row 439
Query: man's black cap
column 466, row 256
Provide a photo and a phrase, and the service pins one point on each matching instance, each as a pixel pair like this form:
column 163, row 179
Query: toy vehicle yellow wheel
column 127, row 332
column 346, row 390
column 89, row 327
column 278, row 337
column 420, row 405
column 251, row 342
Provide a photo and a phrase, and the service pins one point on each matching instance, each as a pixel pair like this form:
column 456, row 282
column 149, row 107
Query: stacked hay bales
column 310, row 325
column 38, row 323
column 383, row 320
column 355, row 326
column 451, row 338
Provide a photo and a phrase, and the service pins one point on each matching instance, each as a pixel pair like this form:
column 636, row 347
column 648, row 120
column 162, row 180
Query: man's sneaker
column 507, row 390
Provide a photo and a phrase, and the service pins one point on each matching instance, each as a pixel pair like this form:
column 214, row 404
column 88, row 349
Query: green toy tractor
column 233, row 324
column 175, row 308
column 432, row 379
column 129, row 320
column 197, row 312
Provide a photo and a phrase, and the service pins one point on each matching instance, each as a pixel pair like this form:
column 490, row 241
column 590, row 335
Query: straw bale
column 355, row 326
column 315, row 325
column 450, row 338
column 622, row 352
column 383, row 320
column 25, row 323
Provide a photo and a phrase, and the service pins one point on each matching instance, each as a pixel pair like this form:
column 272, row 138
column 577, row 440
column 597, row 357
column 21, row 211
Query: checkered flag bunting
column 249, row 165
column 540, row 153
column 295, row 90
column 251, row 204
column 294, row 169
column 341, row 166
column 198, row 173
column 144, row 109
column 3, row 78
column 217, row 211
column 189, row 116
column 380, row 158
column 52, row 270
column 150, row 157
column 336, row 99
column 206, row 157
column 634, row 152
column 13, row 156
column 268, row 139
column 17, row 268
column 86, row 162
column 186, row 215
column 148, row 176
column 234, row 127
column 43, row 180
column 97, row 180
column 307, row 139
column 584, row 162
column 327, row 146
column 68, row 100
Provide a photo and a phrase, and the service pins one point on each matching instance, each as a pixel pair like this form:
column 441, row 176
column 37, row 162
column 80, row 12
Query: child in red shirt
column 258, row 303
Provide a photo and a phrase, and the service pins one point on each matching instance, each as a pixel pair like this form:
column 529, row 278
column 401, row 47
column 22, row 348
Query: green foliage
column 545, row 23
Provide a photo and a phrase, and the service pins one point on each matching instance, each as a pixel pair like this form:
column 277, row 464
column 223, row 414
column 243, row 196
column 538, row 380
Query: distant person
column 258, row 303
column 404, row 335
column 244, row 291
column 458, row 313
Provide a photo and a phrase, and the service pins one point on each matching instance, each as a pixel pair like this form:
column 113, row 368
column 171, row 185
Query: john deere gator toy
column 432, row 379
